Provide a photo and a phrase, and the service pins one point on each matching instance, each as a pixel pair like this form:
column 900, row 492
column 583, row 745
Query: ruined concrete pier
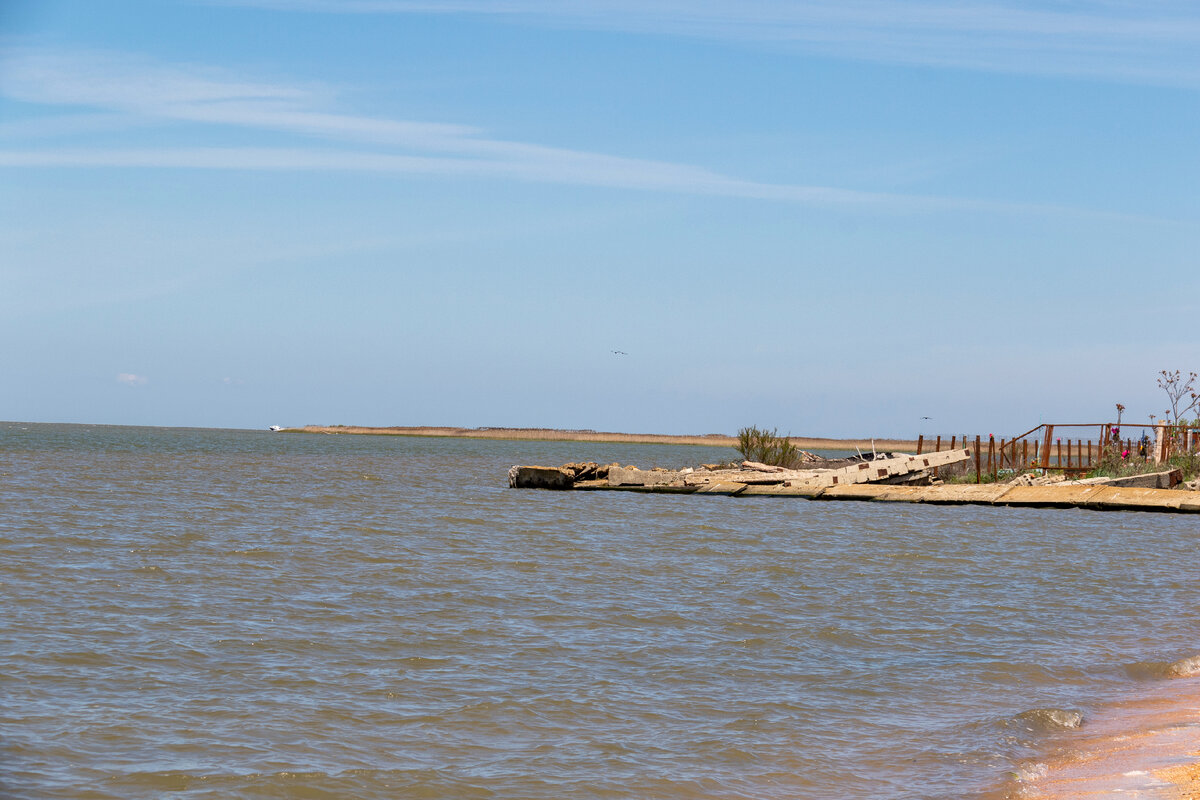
column 880, row 480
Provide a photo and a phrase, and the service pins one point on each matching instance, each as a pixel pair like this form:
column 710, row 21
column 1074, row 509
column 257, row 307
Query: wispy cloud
column 129, row 379
column 107, row 85
column 97, row 90
column 1156, row 41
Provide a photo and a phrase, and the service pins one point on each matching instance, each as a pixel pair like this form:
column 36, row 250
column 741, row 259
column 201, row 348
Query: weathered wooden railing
column 1044, row 447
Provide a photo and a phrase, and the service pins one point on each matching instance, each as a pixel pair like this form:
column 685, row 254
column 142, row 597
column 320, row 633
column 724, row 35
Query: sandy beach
column 551, row 434
column 1146, row 747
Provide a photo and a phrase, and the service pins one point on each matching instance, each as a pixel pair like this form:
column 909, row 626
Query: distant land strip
column 553, row 435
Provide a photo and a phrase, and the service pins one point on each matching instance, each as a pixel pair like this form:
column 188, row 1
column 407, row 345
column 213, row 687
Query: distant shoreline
column 554, row 435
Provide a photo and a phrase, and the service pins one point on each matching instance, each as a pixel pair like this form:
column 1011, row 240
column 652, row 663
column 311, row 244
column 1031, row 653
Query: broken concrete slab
column 1120, row 498
column 782, row 490
column 540, row 478
column 631, row 476
column 855, row 491
column 1168, row 479
column 902, row 494
column 760, row 467
column 1058, row 496
column 738, row 476
column 728, row 488
column 882, row 469
column 957, row 493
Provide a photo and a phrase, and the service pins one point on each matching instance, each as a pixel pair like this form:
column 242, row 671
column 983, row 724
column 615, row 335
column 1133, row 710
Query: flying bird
column 620, row 353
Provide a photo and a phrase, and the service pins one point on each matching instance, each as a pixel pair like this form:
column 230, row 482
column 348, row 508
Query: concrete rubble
column 885, row 477
column 885, row 468
column 1167, row 479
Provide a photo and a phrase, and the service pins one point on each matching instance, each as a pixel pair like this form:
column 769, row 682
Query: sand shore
column 1145, row 747
column 551, row 434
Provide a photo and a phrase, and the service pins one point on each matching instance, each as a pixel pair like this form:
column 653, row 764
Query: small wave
column 1157, row 670
column 1050, row 719
column 1031, row 771
column 1184, row 667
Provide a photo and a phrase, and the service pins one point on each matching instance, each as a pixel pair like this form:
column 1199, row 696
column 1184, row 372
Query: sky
column 831, row 218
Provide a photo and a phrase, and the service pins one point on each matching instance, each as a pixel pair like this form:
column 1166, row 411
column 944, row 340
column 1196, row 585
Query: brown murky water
column 214, row 614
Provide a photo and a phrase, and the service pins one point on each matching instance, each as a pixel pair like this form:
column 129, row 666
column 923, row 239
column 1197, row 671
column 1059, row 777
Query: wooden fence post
column 978, row 478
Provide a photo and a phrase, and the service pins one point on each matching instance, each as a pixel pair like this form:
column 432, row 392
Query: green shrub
column 768, row 447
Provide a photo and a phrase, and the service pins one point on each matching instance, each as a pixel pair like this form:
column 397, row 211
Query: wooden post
column 977, row 476
column 1046, row 446
column 937, row 448
column 1068, row 453
column 1024, row 453
column 991, row 454
column 1089, row 452
column 952, row 442
column 1036, row 445
column 920, row 443
column 1059, row 443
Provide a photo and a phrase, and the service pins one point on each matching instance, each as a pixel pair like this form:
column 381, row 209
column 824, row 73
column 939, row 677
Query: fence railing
column 1045, row 448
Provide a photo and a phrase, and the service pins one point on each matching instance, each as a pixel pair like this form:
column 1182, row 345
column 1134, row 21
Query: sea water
column 214, row 614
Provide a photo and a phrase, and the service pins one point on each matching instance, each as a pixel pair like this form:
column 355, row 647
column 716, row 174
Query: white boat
column 275, row 428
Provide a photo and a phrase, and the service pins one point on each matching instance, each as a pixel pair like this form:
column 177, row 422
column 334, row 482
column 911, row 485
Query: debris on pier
column 883, row 468
column 881, row 478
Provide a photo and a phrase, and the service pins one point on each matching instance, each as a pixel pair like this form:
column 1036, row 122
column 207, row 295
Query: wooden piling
column 978, row 477
column 1046, row 446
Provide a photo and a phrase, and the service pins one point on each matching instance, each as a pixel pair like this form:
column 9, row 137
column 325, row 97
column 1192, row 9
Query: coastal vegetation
column 768, row 447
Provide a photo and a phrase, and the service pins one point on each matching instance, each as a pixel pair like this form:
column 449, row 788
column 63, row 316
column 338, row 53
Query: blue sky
column 833, row 218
